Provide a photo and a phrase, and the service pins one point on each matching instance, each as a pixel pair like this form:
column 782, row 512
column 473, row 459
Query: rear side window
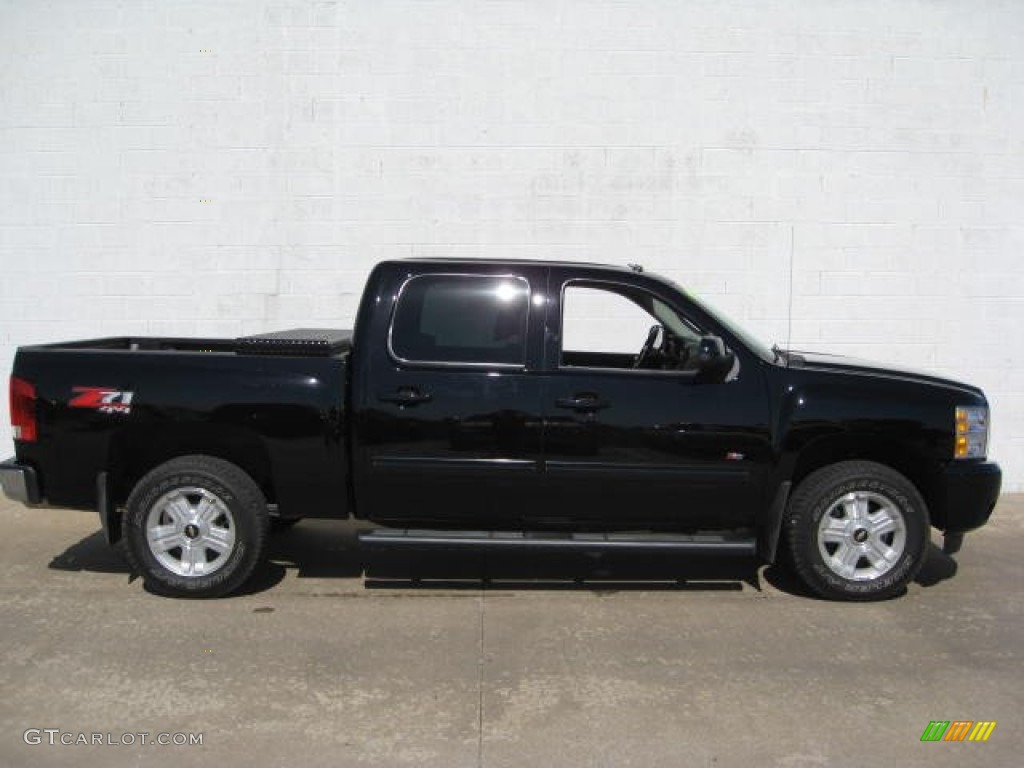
column 461, row 319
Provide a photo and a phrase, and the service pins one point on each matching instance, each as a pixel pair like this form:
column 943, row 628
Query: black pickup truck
column 504, row 404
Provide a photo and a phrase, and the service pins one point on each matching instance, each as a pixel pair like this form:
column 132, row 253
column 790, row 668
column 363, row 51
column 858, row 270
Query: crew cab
column 504, row 404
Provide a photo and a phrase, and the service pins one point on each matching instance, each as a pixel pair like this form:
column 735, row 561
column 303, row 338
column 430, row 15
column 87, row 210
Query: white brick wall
column 222, row 168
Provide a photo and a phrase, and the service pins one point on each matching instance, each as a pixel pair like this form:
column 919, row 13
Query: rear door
column 448, row 425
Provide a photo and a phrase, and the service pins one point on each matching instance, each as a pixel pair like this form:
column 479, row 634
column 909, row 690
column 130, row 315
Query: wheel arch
column 134, row 454
column 893, row 454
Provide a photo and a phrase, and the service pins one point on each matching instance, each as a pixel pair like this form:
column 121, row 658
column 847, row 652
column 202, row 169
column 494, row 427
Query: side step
column 736, row 544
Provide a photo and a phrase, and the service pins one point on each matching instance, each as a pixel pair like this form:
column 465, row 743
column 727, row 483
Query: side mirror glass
column 715, row 361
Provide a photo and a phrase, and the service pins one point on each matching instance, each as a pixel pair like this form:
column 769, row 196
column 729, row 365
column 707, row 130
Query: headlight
column 971, row 432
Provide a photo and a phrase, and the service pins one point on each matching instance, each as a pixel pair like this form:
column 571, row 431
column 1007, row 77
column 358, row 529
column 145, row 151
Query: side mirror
column 710, row 347
column 715, row 362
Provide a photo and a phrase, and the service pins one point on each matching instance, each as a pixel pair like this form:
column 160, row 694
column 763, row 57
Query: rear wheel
column 857, row 530
column 195, row 527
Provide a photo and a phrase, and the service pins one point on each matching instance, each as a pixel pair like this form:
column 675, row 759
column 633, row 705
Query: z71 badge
column 102, row 399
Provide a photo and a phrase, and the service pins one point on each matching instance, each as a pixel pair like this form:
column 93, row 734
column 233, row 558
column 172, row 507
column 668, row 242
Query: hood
column 819, row 361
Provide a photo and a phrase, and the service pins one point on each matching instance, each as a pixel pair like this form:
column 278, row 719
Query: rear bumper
column 19, row 482
column 970, row 493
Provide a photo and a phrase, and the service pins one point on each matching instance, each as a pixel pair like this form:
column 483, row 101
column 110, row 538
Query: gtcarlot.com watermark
column 55, row 737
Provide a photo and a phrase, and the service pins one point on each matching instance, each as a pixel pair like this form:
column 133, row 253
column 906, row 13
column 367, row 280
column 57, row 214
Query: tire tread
column 250, row 502
column 800, row 535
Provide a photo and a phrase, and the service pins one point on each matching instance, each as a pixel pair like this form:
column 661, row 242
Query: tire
column 195, row 527
column 857, row 530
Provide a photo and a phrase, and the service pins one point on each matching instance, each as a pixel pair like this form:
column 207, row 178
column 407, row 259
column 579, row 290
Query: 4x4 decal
column 102, row 399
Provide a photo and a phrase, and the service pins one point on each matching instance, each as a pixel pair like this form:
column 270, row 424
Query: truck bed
column 273, row 403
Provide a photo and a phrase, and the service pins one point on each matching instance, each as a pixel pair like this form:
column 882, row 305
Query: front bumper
column 969, row 494
column 19, row 482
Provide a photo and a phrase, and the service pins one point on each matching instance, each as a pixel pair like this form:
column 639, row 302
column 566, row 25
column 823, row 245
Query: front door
column 634, row 437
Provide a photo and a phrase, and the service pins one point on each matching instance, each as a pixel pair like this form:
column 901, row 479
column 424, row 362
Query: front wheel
column 195, row 527
column 857, row 530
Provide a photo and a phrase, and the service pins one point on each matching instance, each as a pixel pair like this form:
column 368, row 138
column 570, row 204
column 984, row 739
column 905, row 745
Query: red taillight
column 23, row 410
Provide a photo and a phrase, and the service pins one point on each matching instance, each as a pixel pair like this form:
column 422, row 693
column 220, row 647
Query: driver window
column 624, row 327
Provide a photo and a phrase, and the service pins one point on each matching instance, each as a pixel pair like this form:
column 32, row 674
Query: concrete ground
column 336, row 659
